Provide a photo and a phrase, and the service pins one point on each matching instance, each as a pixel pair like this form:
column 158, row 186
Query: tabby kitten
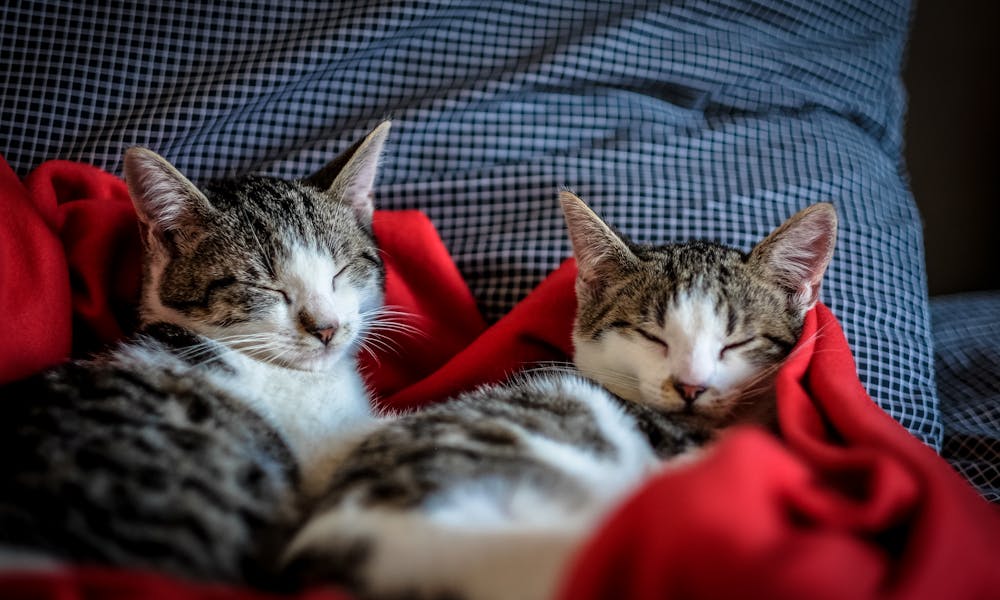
column 487, row 495
column 188, row 450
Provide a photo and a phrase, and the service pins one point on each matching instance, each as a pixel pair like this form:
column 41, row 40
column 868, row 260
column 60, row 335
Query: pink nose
column 324, row 333
column 689, row 392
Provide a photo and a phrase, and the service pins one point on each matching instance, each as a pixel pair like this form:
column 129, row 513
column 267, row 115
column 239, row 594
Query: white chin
column 320, row 361
column 314, row 360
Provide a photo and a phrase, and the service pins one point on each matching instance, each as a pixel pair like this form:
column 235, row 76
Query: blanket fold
column 845, row 504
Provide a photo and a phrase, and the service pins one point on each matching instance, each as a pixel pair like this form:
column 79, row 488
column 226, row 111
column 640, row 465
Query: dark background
column 951, row 140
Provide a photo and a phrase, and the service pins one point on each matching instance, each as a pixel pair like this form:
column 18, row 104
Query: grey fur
column 143, row 465
column 151, row 456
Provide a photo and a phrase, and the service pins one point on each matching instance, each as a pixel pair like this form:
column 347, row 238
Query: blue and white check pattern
column 967, row 356
column 715, row 119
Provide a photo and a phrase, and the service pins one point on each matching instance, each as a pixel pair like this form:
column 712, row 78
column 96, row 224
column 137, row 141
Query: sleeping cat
column 486, row 496
column 189, row 449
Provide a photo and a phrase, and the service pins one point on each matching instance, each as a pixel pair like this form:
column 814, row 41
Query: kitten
column 190, row 448
column 487, row 495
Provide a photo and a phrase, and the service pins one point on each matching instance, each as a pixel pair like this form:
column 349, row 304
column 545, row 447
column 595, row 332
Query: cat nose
column 689, row 393
column 324, row 333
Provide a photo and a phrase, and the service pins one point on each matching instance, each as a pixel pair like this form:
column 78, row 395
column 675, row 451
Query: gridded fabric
column 675, row 120
column 967, row 358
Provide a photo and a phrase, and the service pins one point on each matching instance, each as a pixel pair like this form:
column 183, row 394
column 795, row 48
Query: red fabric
column 846, row 505
column 849, row 506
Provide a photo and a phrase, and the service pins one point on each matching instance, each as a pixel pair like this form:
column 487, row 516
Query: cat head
column 697, row 328
column 287, row 272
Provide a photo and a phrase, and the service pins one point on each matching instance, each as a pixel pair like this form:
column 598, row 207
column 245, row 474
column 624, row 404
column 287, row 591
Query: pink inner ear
column 363, row 183
column 163, row 197
column 361, row 196
column 797, row 253
column 596, row 247
column 357, row 178
column 802, row 254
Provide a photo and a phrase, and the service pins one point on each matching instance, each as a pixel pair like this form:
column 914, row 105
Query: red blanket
column 845, row 505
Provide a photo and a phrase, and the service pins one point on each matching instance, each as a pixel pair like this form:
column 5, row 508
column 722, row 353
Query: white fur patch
column 309, row 279
column 608, row 477
column 639, row 370
column 501, row 502
column 425, row 558
column 697, row 334
column 319, row 413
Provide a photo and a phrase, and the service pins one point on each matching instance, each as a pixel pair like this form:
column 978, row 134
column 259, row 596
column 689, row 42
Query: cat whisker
column 389, row 310
column 762, row 379
column 374, row 356
column 395, row 310
column 388, row 318
column 277, row 358
column 552, row 368
column 612, row 376
column 375, row 345
column 385, row 341
column 394, row 330
column 397, row 329
column 221, row 345
column 195, row 351
column 238, row 336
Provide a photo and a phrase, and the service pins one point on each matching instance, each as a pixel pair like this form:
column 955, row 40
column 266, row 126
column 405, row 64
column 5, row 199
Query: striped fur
column 192, row 448
column 487, row 495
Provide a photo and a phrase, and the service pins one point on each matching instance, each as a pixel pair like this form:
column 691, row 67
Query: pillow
column 712, row 120
column 967, row 359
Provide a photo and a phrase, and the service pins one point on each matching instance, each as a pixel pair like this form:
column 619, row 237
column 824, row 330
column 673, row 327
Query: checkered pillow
column 967, row 355
column 676, row 120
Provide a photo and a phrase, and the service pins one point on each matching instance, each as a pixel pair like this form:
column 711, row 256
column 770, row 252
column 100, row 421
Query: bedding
column 847, row 504
column 967, row 366
column 713, row 119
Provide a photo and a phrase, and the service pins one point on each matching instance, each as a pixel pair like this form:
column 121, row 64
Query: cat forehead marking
column 693, row 314
column 305, row 265
column 695, row 331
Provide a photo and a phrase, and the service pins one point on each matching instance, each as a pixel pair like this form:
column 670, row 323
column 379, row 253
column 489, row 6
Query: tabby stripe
column 785, row 345
column 206, row 296
column 731, row 319
column 659, row 304
column 136, row 381
column 205, row 490
column 598, row 316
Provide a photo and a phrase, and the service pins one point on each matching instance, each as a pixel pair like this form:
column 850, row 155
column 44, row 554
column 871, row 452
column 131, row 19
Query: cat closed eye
column 735, row 346
column 653, row 338
column 338, row 274
column 274, row 291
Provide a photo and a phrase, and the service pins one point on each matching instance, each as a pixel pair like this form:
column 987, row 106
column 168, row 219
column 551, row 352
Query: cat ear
column 351, row 176
column 797, row 253
column 599, row 251
column 167, row 203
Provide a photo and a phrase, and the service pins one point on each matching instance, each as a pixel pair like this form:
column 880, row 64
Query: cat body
column 487, row 496
column 465, row 497
column 192, row 448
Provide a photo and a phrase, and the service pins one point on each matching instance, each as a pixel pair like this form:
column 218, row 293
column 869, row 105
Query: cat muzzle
column 689, row 393
column 324, row 333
